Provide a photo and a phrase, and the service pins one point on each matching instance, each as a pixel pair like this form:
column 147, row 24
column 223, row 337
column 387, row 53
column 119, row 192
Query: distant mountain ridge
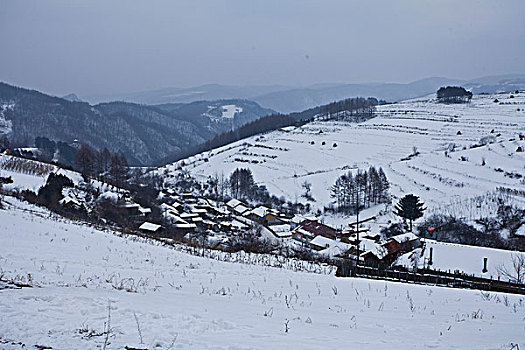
column 287, row 99
column 144, row 134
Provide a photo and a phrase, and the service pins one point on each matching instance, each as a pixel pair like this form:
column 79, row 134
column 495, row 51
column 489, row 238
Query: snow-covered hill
column 452, row 142
column 166, row 299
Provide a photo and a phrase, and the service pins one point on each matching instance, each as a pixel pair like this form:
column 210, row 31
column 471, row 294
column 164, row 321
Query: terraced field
column 443, row 153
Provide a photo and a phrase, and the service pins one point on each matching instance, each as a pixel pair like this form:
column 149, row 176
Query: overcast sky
column 92, row 47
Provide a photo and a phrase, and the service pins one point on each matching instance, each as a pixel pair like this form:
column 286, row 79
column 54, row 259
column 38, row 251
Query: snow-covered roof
column 167, row 207
column 521, row 230
column 238, row 224
column 172, row 216
column 183, row 226
column 130, row 205
column 405, row 237
column 241, row 209
column 148, row 226
column 283, row 234
column 379, row 251
column 219, row 210
column 67, row 200
column 145, row 210
column 329, row 246
column 189, row 215
column 233, row 203
column 297, row 219
column 322, row 241
column 260, row 211
column 280, row 228
column 304, row 232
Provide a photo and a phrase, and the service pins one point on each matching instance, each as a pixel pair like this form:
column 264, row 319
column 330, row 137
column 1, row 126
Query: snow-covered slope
column 6, row 126
column 447, row 167
column 179, row 301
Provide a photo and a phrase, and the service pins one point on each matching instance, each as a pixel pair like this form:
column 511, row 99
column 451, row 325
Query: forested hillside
column 144, row 134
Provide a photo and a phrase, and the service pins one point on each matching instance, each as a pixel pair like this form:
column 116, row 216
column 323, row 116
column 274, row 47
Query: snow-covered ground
column 229, row 111
column 446, row 169
column 30, row 174
column 6, row 126
column 467, row 259
column 188, row 302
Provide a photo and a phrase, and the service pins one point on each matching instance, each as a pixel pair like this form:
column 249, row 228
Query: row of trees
column 91, row 163
column 453, row 94
column 59, row 151
column 350, row 107
column 360, row 190
column 243, row 186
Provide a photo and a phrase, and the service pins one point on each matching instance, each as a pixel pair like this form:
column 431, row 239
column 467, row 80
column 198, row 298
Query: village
column 195, row 218
column 216, row 222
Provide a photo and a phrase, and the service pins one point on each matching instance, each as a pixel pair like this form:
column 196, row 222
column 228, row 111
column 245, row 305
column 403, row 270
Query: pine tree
column 410, row 207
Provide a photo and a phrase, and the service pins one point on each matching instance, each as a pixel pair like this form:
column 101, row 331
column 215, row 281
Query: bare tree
column 516, row 273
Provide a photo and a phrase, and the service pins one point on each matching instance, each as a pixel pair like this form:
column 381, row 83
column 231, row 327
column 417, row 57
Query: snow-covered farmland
column 229, row 111
column 176, row 300
column 460, row 151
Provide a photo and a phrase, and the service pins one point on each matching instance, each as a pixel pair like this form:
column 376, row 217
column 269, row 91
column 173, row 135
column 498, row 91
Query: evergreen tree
column 410, row 207
column 51, row 193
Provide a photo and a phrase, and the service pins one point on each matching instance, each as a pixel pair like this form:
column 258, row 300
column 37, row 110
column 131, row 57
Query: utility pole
column 357, row 223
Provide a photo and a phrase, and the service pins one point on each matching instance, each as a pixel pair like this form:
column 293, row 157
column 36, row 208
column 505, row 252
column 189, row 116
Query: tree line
column 105, row 165
column 354, row 109
column 453, row 94
column 360, row 107
column 360, row 190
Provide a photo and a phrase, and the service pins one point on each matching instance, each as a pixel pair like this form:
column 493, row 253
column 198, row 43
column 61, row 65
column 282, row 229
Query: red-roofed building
column 308, row 230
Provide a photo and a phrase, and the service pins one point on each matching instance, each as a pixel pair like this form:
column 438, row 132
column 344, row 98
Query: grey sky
column 91, row 46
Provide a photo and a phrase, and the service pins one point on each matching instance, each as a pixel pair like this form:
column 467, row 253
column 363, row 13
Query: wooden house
column 308, row 230
column 148, row 227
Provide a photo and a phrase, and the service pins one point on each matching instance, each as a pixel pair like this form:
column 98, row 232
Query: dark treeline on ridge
column 352, row 109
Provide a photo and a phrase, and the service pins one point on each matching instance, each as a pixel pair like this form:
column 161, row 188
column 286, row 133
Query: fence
column 427, row 276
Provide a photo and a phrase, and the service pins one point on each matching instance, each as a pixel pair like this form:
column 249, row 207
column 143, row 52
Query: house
column 233, row 203
column 200, row 212
column 330, row 247
column 407, row 241
column 281, row 231
column 382, row 255
column 185, row 227
column 297, row 219
column 187, row 216
column 240, row 209
column 144, row 211
column 321, row 243
column 218, row 211
column 129, row 208
column 263, row 215
column 148, row 227
column 308, row 230
column 72, row 204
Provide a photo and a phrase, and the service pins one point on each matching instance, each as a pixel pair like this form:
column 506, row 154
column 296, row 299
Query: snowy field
column 446, row 170
column 180, row 301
